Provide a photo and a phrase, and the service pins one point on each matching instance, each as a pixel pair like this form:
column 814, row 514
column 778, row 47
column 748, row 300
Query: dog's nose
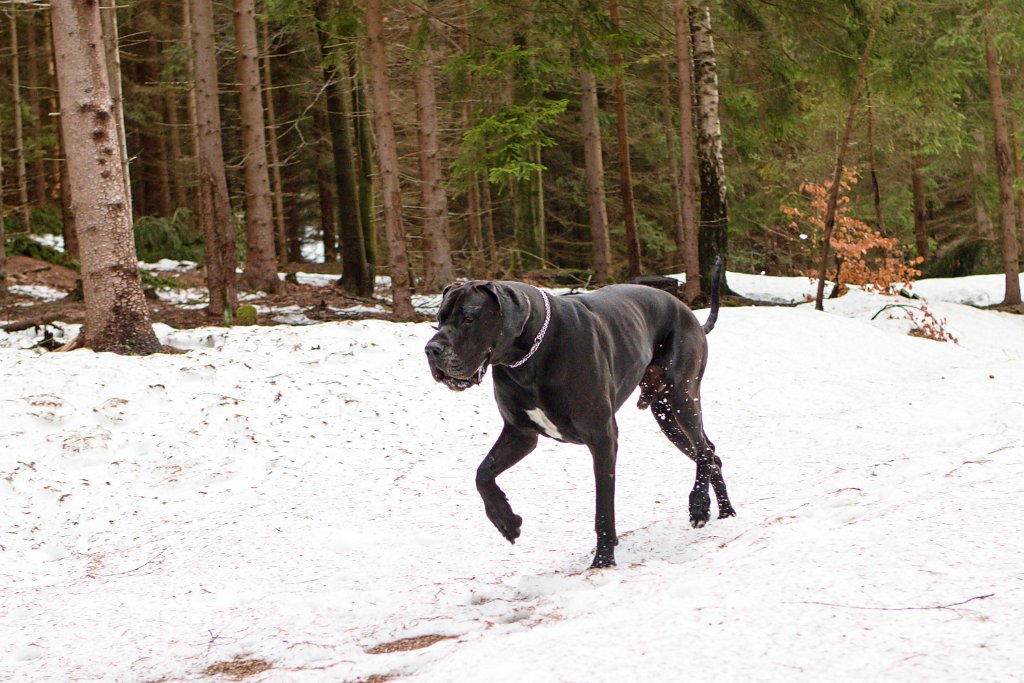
column 434, row 350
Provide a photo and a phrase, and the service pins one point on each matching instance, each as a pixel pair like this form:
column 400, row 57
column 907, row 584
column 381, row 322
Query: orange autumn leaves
column 863, row 256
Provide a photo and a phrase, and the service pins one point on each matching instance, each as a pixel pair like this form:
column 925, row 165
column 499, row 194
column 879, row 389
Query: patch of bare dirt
column 22, row 270
column 407, row 644
column 238, row 668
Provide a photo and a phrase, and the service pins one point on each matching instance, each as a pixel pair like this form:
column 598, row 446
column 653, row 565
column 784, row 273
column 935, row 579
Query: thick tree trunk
column 280, row 238
column 833, row 197
column 633, row 266
column 19, row 133
column 1018, row 174
column 875, row 190
column 260, row 256
column 688, row 245
column 388, row 161
column 594, row 177
column 112, row 52
column 713, row 237
column 920, row 206
column 116, row 317
column 1004, row 168
column 214, row 204
column 67, row 210
column 364, row 169
column 356, row 274
column 438, row 269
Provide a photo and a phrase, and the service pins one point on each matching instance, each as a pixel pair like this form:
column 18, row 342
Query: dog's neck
column 534, row 331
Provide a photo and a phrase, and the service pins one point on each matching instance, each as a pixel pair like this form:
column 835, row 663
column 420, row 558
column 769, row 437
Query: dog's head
column 477, row 323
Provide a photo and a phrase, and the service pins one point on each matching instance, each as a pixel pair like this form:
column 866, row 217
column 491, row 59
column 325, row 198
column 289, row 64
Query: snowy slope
column 299, row 495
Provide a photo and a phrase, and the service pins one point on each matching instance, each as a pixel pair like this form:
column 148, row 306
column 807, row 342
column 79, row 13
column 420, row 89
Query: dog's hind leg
column 511, row 447
column 678, row 415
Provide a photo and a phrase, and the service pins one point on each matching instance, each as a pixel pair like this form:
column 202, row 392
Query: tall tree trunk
column 214, row 205
column 260, row 259
column 364, row 169
column 713, row 237
column 687, row 245
column 488, row 211
column 19, row 133
column 280, row 238
column 920, row 206
column 1018, row 174
column 325, row 183
column 478, row 264
column 116, row 317
column 39, row 113
column 171, row 104
column 356, row 274
column 3, row 234
column 112, row 54
column 982, row 221
column 875, row 190
column 67, row 209
column 1004, row 168
column 388, row 161
column 594, row 177
column 678, row 228
column 833, row 197
column 625, row 166
column 438, row 269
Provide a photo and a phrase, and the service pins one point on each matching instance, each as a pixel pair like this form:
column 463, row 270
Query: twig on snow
column 898, row 609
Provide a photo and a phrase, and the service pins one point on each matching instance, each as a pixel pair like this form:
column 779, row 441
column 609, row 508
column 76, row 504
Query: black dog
column 563, row 366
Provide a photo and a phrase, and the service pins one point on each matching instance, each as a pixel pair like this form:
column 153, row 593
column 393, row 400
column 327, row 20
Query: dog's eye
column 468, row 320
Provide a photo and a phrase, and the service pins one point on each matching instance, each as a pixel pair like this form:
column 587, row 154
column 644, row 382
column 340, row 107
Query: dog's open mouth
column 459, row 383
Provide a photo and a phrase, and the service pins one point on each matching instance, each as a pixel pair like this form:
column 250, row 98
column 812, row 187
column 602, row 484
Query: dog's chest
column 544, row 423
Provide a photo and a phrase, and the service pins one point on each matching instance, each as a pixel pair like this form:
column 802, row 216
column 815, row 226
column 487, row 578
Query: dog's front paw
column 602, row 560
column 509, row 524
column 700, row 508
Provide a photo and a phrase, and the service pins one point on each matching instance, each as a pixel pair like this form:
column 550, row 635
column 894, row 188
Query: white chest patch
column 538, row 418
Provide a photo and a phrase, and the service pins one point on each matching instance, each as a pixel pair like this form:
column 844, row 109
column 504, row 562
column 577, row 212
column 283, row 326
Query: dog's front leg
column 511, row 447
column 604, row 448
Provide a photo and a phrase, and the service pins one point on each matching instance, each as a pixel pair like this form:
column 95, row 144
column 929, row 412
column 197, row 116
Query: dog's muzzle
column 454, row 378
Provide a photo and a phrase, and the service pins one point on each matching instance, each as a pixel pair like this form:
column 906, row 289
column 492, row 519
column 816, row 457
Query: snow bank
column 299, row 495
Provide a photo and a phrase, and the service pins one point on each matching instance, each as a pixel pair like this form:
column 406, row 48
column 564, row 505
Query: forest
column 574, row 141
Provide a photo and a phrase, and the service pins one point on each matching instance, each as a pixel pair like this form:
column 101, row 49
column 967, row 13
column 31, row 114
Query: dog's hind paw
column 697, row 523
column 726, row 512
column 510, row 526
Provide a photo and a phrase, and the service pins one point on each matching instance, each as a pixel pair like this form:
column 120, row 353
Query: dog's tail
column 716, row 283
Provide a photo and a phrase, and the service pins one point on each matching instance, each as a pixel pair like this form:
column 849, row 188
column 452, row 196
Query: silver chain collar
column 543, row 329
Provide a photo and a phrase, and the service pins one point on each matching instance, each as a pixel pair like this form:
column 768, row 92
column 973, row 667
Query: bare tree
column 112, row 51
column 280, row 238
column 19, row 133
column 920, row 206
column 687, row 243
column 438, row 269
column 833, row 197
column 260, row 257
column 355, row 270
column 387, row 156
column 1004, row 167
column 116, row 317
column 625, row 166
column 713, row 237
column 594, row 176
column 214, row 205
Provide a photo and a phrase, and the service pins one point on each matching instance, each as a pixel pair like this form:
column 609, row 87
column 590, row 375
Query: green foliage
column 502, row 144
column 173, row 238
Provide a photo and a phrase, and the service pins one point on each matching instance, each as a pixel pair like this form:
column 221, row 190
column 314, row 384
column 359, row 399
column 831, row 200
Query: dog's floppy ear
column 515, row 309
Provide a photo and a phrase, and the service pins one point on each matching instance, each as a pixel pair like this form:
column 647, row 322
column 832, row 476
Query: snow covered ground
column 301, row 495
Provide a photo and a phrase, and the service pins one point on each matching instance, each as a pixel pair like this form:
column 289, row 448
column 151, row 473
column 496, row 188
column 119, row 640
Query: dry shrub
column 863, row 256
